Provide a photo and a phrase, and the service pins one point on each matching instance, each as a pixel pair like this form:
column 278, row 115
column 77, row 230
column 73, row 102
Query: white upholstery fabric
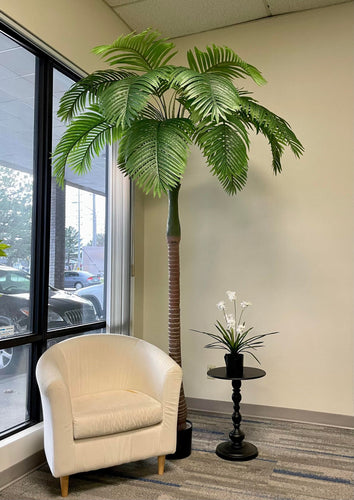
column 82, row 373
column 111, row 412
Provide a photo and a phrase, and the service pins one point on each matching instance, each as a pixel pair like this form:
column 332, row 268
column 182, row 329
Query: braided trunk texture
column 174, row 322
column 174, row 315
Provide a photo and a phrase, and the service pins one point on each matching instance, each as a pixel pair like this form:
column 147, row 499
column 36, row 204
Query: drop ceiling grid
column 183, row 17
column 284, row 6
column 176, row 18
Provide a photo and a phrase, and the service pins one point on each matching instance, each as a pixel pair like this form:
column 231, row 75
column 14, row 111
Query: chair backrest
column 96, row 363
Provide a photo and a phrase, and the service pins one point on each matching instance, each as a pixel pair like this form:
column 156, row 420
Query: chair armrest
column 57, row 413
column 157, row 374
column 161, row 378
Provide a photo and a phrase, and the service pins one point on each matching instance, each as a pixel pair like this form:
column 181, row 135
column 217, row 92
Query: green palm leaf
column 152, row 113
column 154, row 153
column 206, row 95
column 274, row 128
column 86, row 92
column 222, row 61
column 225, row 145
column 138, row 52
column 3, row 247
column 83, row 139
column 123, row 101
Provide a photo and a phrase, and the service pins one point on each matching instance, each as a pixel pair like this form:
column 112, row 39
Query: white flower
column 231, row 295
column 245, row 304
column 240, row 328
column 221, row 305
column 230, row 320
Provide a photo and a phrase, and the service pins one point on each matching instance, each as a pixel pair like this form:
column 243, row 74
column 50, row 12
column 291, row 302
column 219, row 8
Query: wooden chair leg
column 64, row 486
column 161, row 464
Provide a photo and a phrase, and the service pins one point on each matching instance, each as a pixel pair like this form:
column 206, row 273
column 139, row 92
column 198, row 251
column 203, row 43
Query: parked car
column 79, row 279
column 94, row 294
column 64, row 310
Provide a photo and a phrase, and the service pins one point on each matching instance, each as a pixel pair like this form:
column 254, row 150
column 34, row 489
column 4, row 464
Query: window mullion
column 42, row 194
column 41, row 218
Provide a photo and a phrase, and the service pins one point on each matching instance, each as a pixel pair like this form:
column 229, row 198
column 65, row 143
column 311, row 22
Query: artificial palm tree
column 156, row 111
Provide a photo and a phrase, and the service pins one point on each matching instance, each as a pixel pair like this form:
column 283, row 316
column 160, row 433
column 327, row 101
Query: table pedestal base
column 228, row 451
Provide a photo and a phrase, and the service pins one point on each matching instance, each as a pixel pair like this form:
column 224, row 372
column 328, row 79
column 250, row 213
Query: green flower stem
column 241, row 314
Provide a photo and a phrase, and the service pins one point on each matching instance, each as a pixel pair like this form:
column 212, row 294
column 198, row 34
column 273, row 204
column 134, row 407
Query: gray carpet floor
column 296, row 462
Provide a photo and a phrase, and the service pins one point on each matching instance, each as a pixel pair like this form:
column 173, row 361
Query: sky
column 74, row 197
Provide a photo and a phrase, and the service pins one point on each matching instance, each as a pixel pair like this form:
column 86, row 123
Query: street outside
column 13, row 400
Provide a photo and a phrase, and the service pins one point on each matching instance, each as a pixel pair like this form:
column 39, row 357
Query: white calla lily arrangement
column 234, row 337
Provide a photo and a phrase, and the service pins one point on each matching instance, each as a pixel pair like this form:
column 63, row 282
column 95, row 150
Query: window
column 77, row 229
column 53, row 279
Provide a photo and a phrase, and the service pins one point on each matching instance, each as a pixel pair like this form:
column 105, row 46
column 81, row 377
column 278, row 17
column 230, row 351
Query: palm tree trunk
column 174, row 316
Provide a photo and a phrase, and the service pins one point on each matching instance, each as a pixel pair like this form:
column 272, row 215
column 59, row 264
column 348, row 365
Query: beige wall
column 285, row 243
column 71, row 27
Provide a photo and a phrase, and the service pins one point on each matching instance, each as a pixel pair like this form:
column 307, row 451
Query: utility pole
column 78, row 230
column 94, row 221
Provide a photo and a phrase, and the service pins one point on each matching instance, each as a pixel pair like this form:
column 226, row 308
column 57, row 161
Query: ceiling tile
column 177, row 18
column 6, row 74
column 18, row 88
column 17, row 108
column 114, row 3
column 181, row 17
column 6, row 43
column 284, row 6
column 19, row 60
column 4, row 97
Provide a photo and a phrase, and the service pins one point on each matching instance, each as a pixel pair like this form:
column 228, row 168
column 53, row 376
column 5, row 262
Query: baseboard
column 306, row 416
column 21, row 468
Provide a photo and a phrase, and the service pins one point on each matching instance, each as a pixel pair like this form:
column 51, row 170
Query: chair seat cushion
column 112, row 412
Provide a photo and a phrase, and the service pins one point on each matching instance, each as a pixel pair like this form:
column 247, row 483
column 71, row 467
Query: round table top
column 249, row 373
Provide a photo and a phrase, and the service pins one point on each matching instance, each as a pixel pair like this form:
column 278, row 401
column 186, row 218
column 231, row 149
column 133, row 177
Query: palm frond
column 154, row 153
column 222, row 61
column 86, row 91
column 3, row 247
column 151, row 112
column 138, row 52
column 206, row 95
column 225, row 147
column 83, row 139
column 123, row 101
column 273, row 127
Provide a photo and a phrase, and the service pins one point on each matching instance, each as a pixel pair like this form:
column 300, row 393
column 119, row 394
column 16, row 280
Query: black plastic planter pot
column 184, row 443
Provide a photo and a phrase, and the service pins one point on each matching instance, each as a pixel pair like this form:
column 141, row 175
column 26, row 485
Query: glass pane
column 77, row 249
column 14, row 369
column 17, row 76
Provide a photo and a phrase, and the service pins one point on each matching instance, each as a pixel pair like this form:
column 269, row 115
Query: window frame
column 46, row 63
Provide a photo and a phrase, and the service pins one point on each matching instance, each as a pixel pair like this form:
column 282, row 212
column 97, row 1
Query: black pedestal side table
column 236, row 448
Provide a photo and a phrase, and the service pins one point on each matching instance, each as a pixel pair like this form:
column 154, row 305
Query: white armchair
column 107, row 399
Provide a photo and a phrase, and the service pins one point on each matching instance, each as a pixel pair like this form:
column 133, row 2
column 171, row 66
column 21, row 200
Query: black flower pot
column 184, row 443
column 234, row 365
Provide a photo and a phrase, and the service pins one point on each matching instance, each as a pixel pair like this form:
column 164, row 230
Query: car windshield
column 13, row 282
